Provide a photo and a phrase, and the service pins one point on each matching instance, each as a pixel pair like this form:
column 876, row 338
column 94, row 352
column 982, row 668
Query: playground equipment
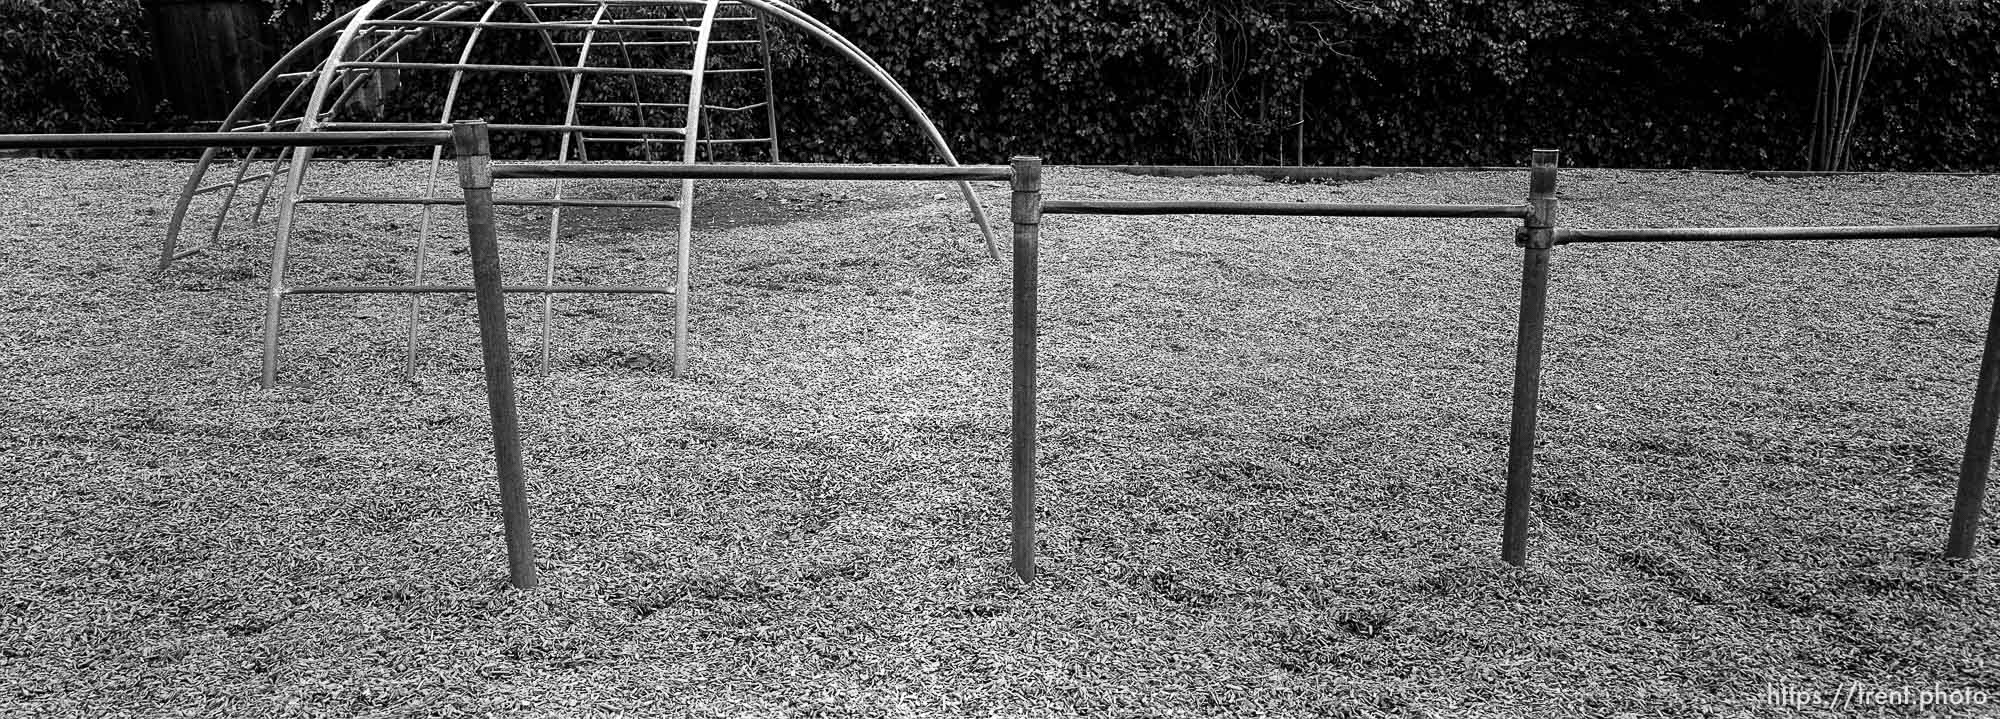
column 643, row 80
column 1537, row 236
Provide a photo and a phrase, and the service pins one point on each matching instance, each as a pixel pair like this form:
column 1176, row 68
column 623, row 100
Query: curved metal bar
column 827, row 36
column 200, row 171
column 555, row 57
column 688, row 147
column 770, row 87
column 294, row 176
column 277, row 161
column 430, row 192
column 638, row 97
column 562, row 155
column 315, row 112
column 447, row 10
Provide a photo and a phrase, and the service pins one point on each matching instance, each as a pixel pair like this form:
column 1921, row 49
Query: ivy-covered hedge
column 1674, row 83
column 1680, row 83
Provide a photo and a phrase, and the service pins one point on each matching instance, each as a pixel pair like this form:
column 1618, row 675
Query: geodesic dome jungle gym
column 639, row 80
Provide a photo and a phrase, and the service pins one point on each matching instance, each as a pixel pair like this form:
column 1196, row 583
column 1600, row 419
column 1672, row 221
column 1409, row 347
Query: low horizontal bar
column 510, row 202
column 668, row 105
column 467, row 289
column 267, row 125
column 616, row 3
column 554, row 25
column 225, row 139
column 649, row 43
column 1289, row 172
column 205, row 189
column 1565, row 236
column 546, row 69
column 729, row 141
column 750, row 171
column 606, row 129
column 1313, row 209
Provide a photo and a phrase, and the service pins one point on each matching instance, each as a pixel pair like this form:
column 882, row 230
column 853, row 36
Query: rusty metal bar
column 1536, row 237
column 470, row 143
column 1978, row 460
column 1313, row 209
column 1751, row 234
column 750, row 171
column 1027, row 217
column 221, row 139
column 462, row 289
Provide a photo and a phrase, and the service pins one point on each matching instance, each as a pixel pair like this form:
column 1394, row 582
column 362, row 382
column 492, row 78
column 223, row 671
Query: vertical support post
column 770, row 88
column 682, row 267
column 1027, row 216
column 1301, row 113
column 470, row 144
column 1536, row 237
column 280, row 250
column 1978, row 444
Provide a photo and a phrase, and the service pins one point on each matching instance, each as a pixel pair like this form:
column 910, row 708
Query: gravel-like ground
column 1273, row 455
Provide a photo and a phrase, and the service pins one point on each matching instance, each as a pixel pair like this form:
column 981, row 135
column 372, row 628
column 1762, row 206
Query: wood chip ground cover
column 1272, row 460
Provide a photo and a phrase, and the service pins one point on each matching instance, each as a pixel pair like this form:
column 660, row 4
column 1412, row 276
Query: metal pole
column 1978, row 444
column 280, row 250
column 1027, row 216
column 770, row 88
column 470, row 144
column 1537, row 235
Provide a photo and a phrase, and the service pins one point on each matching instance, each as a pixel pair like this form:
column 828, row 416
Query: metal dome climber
column 633, row 74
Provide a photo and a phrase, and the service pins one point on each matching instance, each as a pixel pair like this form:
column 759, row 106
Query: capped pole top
column 470, row 142
column 1027, row 172
column 1027, row 185
column 1538, row 231
column 1542, row 174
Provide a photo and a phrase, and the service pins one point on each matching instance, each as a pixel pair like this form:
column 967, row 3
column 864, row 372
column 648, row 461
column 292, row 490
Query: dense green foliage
column 64, row 63
column 1678, row 83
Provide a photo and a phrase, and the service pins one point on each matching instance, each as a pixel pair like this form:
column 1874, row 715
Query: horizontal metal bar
column 750, row 171
column 1288, row 172
column 649, row 43
column 729, row 141
column 1314, row 209
column 513, row 202
column 189, row 252
column 203, row 190
column 224, row 139
column 510, row 202
column 561, row 25
column 615, row 3
column 667, row 105
column 543, row 69
column 1565, row 236
column 267, row 125
column 467, row 289
column 606, row 129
